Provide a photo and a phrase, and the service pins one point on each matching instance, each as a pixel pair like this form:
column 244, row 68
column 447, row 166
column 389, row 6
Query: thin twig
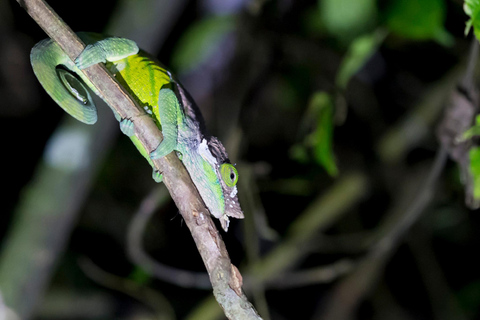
column 153, row 299
column 226, row 279
column 179, row 277
column 200, row 280
column 350, row 291
column 347, row 191
column 45, row 218
column 322, row 274
column 468, row 81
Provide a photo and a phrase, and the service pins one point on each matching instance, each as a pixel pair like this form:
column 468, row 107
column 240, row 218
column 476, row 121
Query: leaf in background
column 321, row 107
column 346, row 19
column 312, row 22
column 299, row 153
column 140, row 276
column 471, row 132
column 419, row 20
column 469, row 298
column 472, row 9
column 359, row 52
column 470, row 6
column 474, row 154
column 200, row 41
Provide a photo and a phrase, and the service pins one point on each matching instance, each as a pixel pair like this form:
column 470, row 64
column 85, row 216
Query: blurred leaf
column 312, row 21
column 285, row 94
column 346, row 19
column 140, row 276
column 299, row 153
column 359, row 52
column 419, row 20
column 200, row 41
column 472, row 131
column 470, row 6
column 474, row 154
column 472, row 9
column 469, row 297
column 321, row 107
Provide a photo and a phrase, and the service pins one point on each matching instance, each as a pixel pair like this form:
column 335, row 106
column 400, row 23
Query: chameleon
column 162, row 97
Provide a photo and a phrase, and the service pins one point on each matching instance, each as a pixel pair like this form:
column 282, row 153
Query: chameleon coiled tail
column 62, row 81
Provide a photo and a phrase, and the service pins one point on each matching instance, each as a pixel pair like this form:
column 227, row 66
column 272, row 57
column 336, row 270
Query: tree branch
column 225, row 278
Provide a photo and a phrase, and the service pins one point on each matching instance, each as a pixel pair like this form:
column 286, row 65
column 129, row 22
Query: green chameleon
column 161, row 96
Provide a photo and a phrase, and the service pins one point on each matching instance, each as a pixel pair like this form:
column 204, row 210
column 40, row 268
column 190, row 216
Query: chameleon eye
column 74, row 86
column 229, row 174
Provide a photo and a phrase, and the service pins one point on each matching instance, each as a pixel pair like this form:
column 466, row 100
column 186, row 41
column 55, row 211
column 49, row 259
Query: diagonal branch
column 225, row 277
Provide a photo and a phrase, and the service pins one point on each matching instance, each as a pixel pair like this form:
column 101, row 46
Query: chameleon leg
column 168, row 107
column 109, row 49
column 117, row 115
column 127, row 127
column 157, row 176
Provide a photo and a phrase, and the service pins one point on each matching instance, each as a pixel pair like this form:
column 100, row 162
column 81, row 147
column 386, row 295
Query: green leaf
column 140, row 276
column 469, row 297
column 359, row 52
column 321, row 139
column 312, row 22
column 471, row 132
column 472, row 9
column 474, row 154
column 299, row 153
column 200, row 41
column 470, row 6
column 346, row 19
column 419, row 20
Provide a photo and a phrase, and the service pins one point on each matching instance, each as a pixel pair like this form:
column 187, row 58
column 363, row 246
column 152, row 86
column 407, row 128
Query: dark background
column 254, row 83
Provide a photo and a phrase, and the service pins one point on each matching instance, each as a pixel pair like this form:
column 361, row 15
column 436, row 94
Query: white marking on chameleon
column 120, row 65
column 205, row 152
column 231, row 206
column 233, row 193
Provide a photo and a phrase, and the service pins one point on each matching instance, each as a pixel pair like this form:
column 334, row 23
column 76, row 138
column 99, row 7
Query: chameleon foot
column 164, row 148
column 110, row 49
column 157, row 176
column 127, row 127
column 179, row 155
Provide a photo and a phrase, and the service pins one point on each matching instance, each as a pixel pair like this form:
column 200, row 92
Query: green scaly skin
column 161, row 96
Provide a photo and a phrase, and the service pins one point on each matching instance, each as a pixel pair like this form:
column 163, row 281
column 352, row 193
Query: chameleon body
column 162, row 97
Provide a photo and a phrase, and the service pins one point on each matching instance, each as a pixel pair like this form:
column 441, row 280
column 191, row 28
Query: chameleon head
column 228, row 176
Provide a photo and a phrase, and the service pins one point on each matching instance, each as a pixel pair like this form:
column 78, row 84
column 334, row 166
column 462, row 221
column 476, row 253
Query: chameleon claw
column 127, row 127
column 157, row 176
